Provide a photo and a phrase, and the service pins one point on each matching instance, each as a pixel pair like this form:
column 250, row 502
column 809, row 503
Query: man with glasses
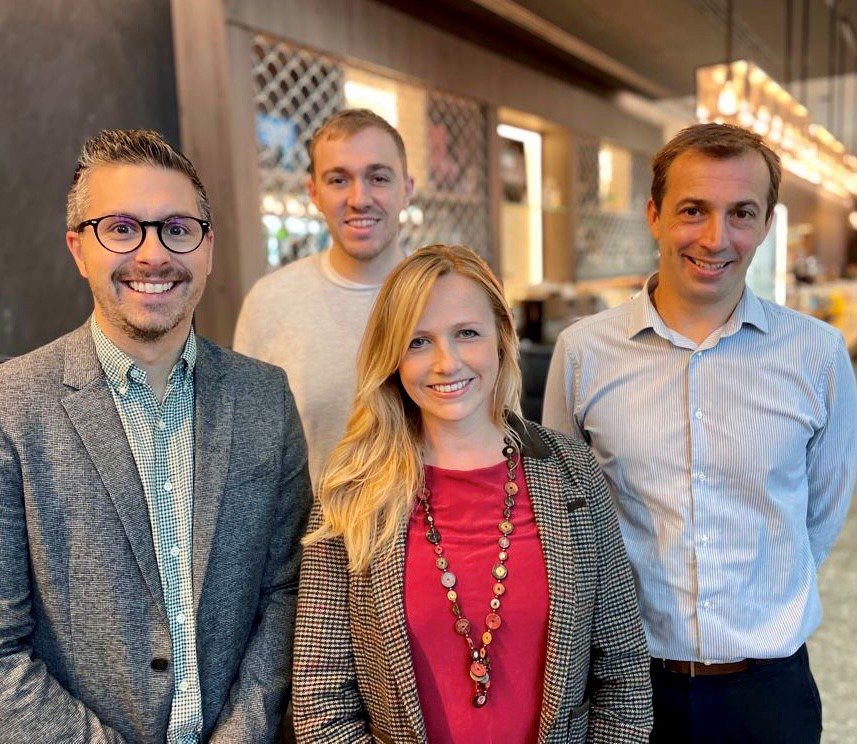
column 308, row 317
column 153, row 488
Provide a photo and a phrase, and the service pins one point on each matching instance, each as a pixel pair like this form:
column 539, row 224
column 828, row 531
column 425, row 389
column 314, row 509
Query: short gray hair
column 129, row 147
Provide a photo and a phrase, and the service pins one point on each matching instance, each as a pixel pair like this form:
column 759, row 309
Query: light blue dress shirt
column 161, row 438
column 731, row 463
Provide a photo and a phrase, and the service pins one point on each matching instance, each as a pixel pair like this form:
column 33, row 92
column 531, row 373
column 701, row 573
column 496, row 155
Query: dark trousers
column 775, row 702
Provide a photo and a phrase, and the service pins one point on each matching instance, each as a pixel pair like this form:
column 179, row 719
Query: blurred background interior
column 529, row 127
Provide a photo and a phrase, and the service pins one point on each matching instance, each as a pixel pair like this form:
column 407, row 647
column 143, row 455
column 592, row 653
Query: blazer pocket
column 244, row 473
column 575, row 504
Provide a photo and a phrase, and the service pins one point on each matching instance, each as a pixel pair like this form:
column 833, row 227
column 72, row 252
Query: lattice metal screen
column 445, row 136
column 454, row 201
column 612, row 237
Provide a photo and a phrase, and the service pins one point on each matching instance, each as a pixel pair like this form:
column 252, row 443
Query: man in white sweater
column 308, row 317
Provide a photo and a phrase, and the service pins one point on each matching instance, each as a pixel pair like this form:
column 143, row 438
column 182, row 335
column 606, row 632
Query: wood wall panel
column 212, row 48
column 203, row 84
column 367, row 31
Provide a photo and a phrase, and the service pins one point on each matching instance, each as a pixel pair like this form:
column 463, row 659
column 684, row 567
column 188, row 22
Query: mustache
column 161, row 276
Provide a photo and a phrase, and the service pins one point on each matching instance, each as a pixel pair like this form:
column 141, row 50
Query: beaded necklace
column 479, row 659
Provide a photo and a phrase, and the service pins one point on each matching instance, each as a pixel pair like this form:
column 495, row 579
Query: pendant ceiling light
column 740, row 92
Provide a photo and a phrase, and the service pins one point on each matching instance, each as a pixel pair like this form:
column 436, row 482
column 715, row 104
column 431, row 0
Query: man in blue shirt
column 153, row 488
column 725, row 427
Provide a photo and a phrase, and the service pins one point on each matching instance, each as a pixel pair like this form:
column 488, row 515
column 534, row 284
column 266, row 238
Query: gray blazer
column 354, row 680
column 83, row 625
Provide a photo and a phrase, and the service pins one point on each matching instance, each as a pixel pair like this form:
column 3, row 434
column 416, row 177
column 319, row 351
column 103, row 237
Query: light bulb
column 727, row 101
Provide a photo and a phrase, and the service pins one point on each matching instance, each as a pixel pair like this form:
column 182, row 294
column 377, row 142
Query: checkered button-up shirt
column 161, row 436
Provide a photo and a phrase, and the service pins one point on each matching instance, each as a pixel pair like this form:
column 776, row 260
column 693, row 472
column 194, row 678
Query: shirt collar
column 749, row 310
column 119, row 368
column 643, row 314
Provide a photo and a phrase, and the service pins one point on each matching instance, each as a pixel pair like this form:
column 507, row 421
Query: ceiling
column 655, row 45
column 665, row 40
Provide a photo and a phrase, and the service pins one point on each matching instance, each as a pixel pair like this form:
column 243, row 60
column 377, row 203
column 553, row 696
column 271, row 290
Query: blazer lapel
column 92, row 412
column 214, row 404
column 550, row 497
column 388, row 577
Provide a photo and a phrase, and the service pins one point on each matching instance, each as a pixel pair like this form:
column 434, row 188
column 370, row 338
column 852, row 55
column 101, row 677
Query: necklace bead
column 480, row 667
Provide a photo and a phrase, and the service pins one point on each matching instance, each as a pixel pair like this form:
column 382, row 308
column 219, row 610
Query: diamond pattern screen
column 446, row 138
column 612, row 187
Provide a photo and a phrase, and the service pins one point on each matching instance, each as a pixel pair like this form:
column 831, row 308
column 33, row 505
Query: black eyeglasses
column 119, row 233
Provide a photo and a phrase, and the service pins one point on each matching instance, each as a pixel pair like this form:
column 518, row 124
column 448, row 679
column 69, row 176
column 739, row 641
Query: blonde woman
column 464, row 578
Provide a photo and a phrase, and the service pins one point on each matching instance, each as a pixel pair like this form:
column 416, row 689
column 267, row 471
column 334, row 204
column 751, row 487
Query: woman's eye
column 417, row 343
column 468, row 333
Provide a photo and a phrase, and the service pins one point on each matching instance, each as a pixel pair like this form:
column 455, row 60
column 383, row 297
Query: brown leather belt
column 698, row 669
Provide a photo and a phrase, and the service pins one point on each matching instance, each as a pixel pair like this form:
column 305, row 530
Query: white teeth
column 707, row 264
column 148, row 288
column 451, row 388
column 361, row 223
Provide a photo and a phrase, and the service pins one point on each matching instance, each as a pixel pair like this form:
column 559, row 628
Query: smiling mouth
column 362, row 222
column 150, row 287
column 709, row 265
column 452, row 387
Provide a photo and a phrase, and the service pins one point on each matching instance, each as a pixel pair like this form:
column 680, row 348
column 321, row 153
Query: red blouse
column 467, row 507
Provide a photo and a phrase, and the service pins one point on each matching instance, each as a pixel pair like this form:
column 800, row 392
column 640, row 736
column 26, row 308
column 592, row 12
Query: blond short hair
column 347, row 123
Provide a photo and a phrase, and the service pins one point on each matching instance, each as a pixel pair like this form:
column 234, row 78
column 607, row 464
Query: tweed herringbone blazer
column 353, row 676
column 84, row 642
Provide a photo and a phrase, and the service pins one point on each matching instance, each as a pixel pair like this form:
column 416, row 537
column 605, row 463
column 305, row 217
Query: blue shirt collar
column 643, row 315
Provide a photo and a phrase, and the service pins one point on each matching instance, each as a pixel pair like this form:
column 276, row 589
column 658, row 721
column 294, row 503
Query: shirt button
column 706, row 604
column 701, row 476
column 160, row 425
column 168, row 486
column 183, row 685
column 123, row 389
column 707, row 662
column 698, row 414
column 160, row 665
column 180, row 618
column 703, row 538
column 174, row 551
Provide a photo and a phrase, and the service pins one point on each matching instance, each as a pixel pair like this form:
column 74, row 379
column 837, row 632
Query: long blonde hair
column 376, row 470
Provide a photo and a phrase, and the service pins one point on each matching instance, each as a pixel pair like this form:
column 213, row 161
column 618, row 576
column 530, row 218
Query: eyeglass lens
column 124, row 234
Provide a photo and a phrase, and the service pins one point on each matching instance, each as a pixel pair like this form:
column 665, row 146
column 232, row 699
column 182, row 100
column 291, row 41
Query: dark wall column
column 70, row 69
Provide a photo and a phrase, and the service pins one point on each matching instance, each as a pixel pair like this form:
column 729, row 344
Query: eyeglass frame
column 145, row 224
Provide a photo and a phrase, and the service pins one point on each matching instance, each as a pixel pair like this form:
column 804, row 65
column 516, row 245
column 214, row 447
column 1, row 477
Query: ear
column 312, row 191
column 654, row 219
column 72, row 240
column 769, row 221
column 409, row 189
